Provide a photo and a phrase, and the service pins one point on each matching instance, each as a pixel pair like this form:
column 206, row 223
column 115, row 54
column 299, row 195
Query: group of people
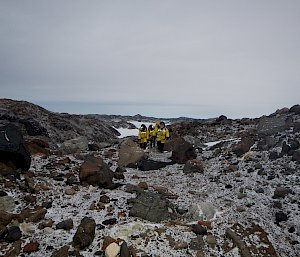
column 154, row 135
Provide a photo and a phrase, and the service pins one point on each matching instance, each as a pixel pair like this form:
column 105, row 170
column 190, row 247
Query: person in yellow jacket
column 162, row 135
column 143, row 136
column 152, row 136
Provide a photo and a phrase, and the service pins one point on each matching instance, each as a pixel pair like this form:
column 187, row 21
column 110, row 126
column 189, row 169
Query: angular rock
column 197, row 243
column 124, row 251
column 183, row 151
column 193, row 166
column 146, row 165
column 130, row 152
column 104, row 199
column 96, row 172
column 111, row 221
column 107, row 240
column 65, row 225
column 85, row 233
column 13, row 147
column 151, row 206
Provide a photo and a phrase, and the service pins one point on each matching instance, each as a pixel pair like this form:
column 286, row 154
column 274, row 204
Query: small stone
column 281, row 192
column 104, row 199
column 7, row 203
column 241, row 209
column 66, row 224
column 112, row 250
column 280, row 216
column 30, row 198
column 277, row 205
column 211, row 240
column 259, row 190
column 31, row 247
column 199, row 230
column 45, row 224
column 143, row 185
column 111, row 221
column 13, row 234
column 70, row 191
column 62, row 252
column 197, row 243
column 180, row 245
column 292, row 229
column 228, row 186
column 5, row 218
column 241, row 195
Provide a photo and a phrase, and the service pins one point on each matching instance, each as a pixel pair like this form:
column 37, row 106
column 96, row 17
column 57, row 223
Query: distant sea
column 152, row 110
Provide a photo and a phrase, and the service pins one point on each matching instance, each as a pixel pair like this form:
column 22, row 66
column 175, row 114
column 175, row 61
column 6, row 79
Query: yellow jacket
column 162, row 135
column 143, row 136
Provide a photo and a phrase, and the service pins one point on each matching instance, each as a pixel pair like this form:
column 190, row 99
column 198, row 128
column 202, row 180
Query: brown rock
column 31, row 247
column 5, row 218
column 183, row 151
column 107, row 241
column 143, row 185
column 193, row 166
column 95, row 171
column 62, row 252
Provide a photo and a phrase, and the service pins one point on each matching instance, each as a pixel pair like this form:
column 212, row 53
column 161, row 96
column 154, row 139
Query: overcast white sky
column 163, row 58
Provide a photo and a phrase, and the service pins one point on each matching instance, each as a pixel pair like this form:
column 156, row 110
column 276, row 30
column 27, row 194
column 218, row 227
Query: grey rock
column 281, row 192
column 124, row 252
column 7, row 203
column 146, row 165
column 65, row 225
column 152, row 206
column 130, row 152
column 75, row 145
column 197, row 243
column 85, row 233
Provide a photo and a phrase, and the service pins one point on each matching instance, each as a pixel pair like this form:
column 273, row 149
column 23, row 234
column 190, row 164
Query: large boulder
column 96, row 172
column 85, row 233
column 13, row 148
column 295, row 109
column 273, row 125
column 146, row 165
column 183, row 151
column 152, row 206
column 130, row 152
column 75, row 145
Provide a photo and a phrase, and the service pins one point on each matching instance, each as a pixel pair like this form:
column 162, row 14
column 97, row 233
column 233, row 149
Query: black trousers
column 143, row 145
column 160, row 146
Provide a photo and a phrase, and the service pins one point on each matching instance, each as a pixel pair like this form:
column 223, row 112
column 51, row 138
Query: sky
column 162, row 58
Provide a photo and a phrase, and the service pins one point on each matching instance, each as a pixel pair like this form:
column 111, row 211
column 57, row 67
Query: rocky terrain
column 222, row 188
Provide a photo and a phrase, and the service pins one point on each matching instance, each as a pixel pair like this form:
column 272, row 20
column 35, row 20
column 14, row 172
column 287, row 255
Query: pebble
column 211, row 240
column 70, row 191
column 13, row 234
column 31, row 247
column 112, row 250
column 199, row 230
